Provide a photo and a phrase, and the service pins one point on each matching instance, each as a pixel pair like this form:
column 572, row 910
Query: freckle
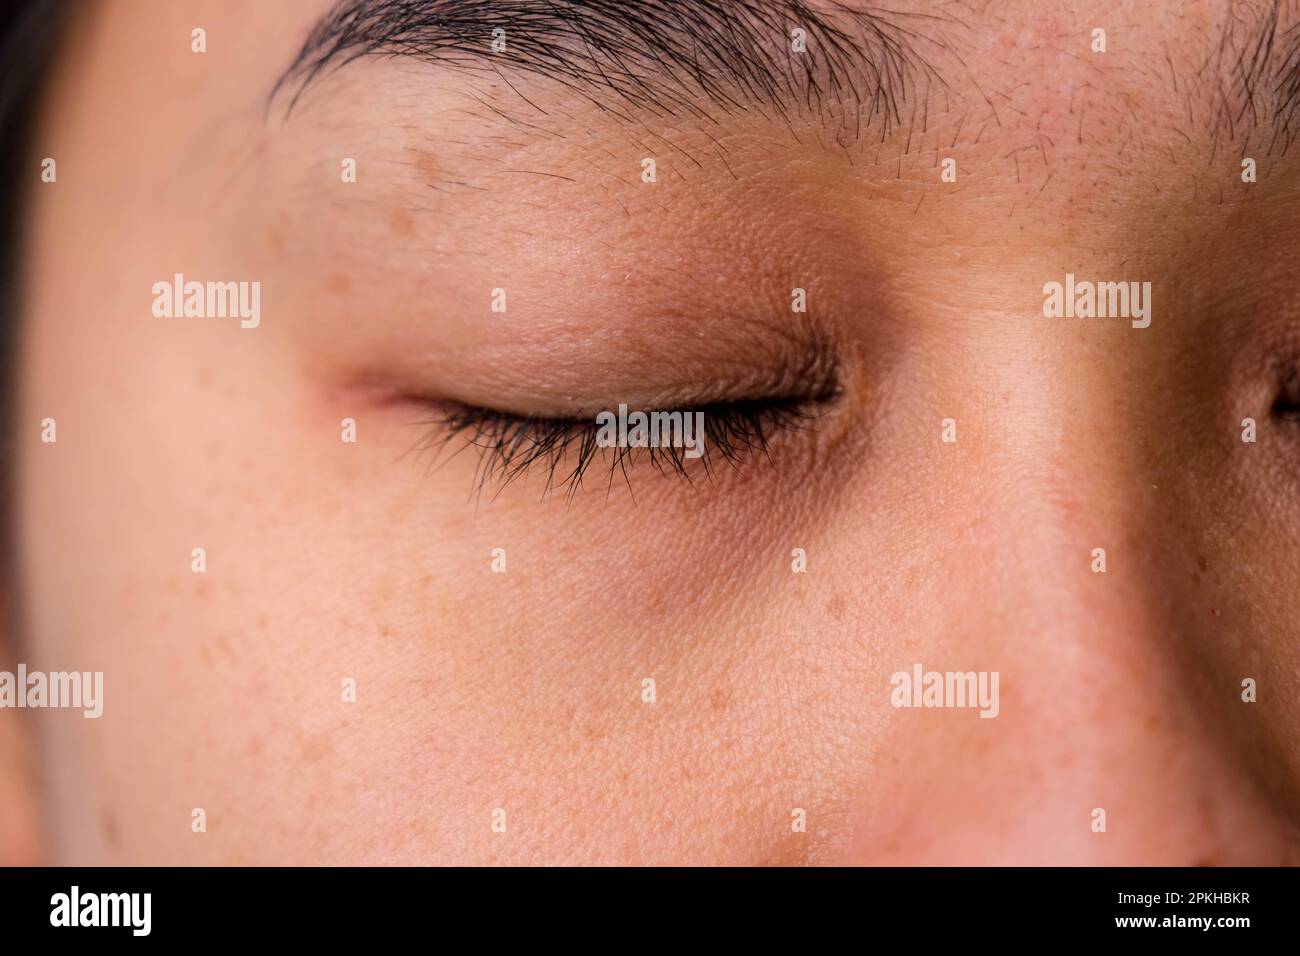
column 201, row 587
column 403, row 223
column 427, row 165
column 835, row 607
column 108, row 826
column 1202, row 563
column 315, row 748
column 338, row 284
column 205, row 377
column 254, row 746
column 719, row 699
column 419, row 828
column 275, row 239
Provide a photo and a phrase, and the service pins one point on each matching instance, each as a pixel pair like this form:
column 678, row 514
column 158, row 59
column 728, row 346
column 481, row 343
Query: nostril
column 1287, row 402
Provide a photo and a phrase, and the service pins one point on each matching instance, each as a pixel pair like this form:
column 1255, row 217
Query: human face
column 436, row 644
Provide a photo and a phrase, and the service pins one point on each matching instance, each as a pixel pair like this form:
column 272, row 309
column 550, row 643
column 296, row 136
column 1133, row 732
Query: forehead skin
column 523, row 690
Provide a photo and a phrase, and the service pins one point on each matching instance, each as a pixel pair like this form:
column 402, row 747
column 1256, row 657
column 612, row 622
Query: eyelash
column 511, row 445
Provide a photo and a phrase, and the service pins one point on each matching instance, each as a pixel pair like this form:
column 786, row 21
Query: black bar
column 438, row 907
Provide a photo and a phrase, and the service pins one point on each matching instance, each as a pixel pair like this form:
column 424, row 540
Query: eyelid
column 510, row 446
column 570, row 376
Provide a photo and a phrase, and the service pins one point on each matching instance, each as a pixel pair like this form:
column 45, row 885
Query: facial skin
column 523, row 690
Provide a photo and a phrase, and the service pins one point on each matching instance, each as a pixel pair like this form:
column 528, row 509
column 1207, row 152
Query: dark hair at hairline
column 29, row 34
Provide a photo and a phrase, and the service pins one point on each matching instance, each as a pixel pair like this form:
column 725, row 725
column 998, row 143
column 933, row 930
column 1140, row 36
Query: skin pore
column 478, row 690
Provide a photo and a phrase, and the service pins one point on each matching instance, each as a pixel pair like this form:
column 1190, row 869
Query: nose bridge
column 1051, row 475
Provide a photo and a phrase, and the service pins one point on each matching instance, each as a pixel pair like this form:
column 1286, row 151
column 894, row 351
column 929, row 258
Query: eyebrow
column 1257, row 66
column 662, row 57
column 1285, row 48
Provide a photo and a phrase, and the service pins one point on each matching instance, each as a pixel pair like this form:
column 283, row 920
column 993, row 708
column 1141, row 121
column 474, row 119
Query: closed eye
column 563, row 450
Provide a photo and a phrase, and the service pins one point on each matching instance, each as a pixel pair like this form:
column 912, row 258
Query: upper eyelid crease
column 778, row 363
column 661, row 56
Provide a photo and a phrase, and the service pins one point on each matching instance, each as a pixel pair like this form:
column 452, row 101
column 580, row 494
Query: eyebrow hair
column 663, row 57
column 1258, row 60
column 1286, row 83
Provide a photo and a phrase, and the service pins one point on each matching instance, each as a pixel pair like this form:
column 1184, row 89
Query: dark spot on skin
column 315, row 749
column 338, row 284
column 108, row 827
column 403, row 223
column 1202, row 563
column 427, row 165
column 835, row 607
